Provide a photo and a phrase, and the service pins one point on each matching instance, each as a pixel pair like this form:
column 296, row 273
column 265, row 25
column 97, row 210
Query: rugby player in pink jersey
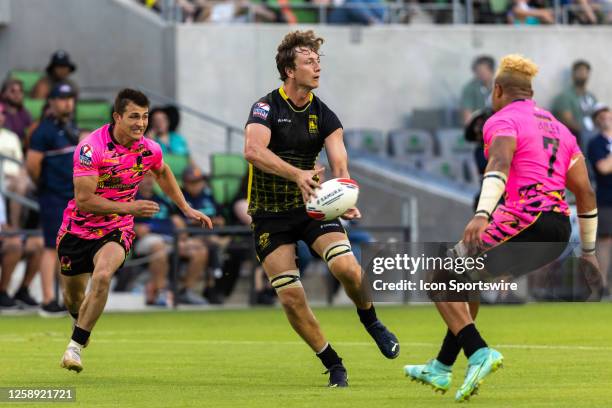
column 532, row 158
column 98, row 224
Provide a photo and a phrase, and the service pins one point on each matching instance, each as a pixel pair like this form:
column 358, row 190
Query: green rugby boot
column 483, row 362
column 434, row 373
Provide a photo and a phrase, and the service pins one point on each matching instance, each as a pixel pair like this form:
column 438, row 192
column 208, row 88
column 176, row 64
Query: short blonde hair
column 516, row 71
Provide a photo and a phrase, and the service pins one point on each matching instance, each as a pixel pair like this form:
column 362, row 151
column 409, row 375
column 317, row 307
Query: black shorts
column 535, row 246
column 273, row 230
column 76, row 254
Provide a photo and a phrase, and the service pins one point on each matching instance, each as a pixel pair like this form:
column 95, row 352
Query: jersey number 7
column 548, row 141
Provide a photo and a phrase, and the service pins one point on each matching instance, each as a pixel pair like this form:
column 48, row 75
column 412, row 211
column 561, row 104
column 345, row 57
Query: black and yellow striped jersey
column 297, row 137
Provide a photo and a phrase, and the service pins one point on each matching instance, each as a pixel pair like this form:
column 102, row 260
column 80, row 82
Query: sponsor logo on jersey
column 85, row 155
column 261, row 110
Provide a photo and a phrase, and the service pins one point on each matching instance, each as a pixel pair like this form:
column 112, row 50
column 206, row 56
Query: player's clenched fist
column 143, row 208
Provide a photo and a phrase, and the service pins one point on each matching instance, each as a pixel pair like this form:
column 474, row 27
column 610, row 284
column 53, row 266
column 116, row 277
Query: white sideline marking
column 60, row 337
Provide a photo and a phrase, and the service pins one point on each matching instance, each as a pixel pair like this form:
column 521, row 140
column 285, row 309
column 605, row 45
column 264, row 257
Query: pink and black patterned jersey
column 119, row 170
column 544, row 150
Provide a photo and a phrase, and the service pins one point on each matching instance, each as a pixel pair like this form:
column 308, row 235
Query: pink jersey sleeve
column 158, row 161
column 497, row 125
column 87, row 158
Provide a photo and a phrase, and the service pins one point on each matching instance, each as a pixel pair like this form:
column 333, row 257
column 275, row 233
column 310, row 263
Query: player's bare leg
column 284, row 275
column 335, row 249
column 106, row 262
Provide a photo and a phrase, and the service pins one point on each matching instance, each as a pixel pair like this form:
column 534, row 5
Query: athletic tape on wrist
column 588, row 230
column 493, row 187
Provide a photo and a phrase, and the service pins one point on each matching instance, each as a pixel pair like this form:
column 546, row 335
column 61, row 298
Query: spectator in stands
column 49, row 163
column 17, row 118
column 531, row 12
column 58, row 71
column 153, row 237
column 15, row 177
column 199, row 196
column 173, row 145
column 589, row 12
column 366, row 12
column 574, row 105
column 476, row 94
column 16, row 181
column 600, row 157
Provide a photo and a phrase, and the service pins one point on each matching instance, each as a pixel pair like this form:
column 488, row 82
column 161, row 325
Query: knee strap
column 285, row 280
column 336, row 250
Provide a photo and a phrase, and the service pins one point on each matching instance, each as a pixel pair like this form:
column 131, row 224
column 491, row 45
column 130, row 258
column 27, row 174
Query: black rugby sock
column 367, row 316
column 470, row 340
column 450, row 349
column 80, row 335
column 329, row 357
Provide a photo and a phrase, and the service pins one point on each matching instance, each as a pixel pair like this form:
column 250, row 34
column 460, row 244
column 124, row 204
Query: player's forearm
column 95, row 204
column 264, row 159
column 585, row 200
column 169, row 186
column 340, row 171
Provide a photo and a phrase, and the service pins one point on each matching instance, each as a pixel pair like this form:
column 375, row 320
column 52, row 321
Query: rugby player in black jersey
column 285, row 133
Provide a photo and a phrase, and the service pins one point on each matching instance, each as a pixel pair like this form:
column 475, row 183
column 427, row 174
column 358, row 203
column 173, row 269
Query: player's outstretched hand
column 305, row 181
column 472, row 235
column 143, row 208
column 352, row 214
column 196, row 215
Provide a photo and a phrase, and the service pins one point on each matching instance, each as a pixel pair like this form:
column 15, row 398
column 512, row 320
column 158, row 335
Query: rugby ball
column 333, row 199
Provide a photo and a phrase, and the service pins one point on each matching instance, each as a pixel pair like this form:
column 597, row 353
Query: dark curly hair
column 285, row 57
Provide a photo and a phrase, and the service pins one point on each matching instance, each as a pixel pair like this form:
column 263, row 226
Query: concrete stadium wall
column 373, row 77
column 5, row 12
column 114, row 42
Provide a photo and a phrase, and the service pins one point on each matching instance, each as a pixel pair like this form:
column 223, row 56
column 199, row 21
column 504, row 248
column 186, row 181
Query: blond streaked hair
column 516, row 71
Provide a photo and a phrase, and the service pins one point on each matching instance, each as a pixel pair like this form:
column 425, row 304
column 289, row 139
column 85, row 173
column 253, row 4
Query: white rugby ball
column 333, row 199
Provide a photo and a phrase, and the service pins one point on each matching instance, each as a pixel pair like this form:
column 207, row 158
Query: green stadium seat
column 225, row 188
column 29, row 79
column 34, row 106
column 305, row 15
column 177, row 164
column 92, row 114
column 223, row 164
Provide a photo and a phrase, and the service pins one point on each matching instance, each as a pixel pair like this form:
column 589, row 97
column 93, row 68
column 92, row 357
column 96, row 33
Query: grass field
column 557, row 355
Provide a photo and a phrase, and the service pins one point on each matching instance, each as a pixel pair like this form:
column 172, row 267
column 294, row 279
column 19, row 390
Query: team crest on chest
column 312, row 124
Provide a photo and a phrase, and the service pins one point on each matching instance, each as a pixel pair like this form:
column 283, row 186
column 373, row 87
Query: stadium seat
column 371, row 141
column 412, row 145
column 92, row 114
column 228, row 164
column 34, row 106
column 177, row 164
column 450, row 169
column 29, row 79
column 225, row 188
column 305, row 15
column 453, row 146
column 452, row 143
